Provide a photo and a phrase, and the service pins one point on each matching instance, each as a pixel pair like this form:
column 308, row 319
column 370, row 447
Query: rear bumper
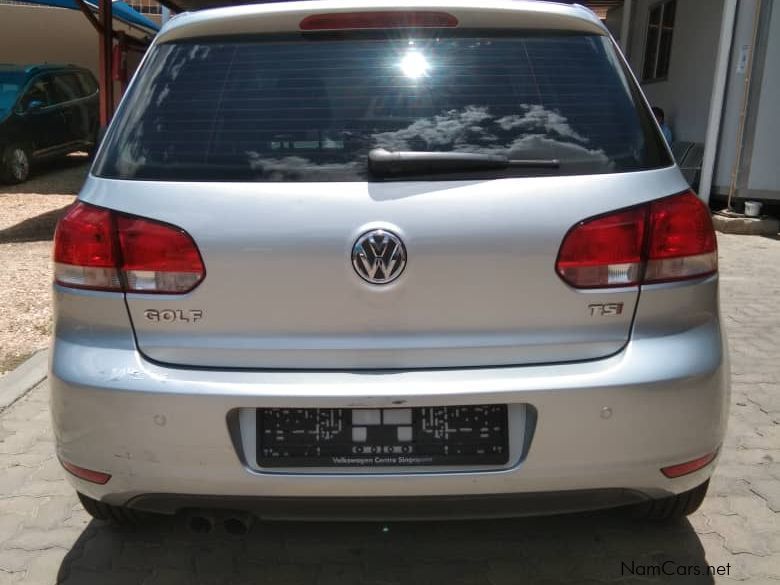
column 400, row 508
column 164, row 434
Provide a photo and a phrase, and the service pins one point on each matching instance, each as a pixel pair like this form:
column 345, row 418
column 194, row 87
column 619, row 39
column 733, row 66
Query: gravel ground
column 28, row 215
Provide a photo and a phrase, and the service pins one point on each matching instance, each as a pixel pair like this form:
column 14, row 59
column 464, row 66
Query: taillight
column 666, row 240
column 683, row 243
column 380, row 19
column 85, row 251
column 99, row 249
column 606, row 251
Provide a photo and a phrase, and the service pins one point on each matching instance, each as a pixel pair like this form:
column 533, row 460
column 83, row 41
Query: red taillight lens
column 606, row 251
column 85, row 250
column 372, row 20
column 98, row 249
column 666, row 240
column 683, row 243
column 157, row 257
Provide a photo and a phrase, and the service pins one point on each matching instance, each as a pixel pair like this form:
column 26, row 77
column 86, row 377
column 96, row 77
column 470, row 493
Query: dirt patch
column 26, row 228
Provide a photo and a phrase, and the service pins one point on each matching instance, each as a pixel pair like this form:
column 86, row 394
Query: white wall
column 765, row 162
column 685, row 94
column 31, row 35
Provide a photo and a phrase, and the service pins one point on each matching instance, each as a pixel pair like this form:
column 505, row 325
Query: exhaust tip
column 236, row 525
column 200, row 524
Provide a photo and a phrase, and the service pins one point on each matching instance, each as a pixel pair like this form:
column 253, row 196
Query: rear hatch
column 257, row 147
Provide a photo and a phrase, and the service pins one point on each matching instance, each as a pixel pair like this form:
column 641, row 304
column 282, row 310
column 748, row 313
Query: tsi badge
column 173, row 315
column 606, row 310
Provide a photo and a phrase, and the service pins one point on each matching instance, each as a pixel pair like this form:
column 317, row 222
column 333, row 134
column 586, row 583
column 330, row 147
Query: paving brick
column 45, row 564
column 36, row 540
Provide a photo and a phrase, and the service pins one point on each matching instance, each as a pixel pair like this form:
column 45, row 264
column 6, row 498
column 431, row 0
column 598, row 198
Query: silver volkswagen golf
column 408, row 258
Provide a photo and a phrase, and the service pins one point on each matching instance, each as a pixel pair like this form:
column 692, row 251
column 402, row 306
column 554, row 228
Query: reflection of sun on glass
column 414, row 65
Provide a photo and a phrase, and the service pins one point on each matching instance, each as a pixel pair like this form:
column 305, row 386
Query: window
column 39, row 91
column 67, row 87
column 658, row 45
column 88, row 82
column 312, row 109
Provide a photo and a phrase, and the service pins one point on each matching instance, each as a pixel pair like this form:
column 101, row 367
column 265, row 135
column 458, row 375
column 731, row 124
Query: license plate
column 382, row 437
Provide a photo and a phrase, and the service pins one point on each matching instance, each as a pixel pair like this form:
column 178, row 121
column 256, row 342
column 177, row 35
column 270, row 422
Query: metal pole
column 106, row 79
column 718, row 97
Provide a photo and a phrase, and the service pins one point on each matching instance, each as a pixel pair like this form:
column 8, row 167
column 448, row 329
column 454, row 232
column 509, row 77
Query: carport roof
column 121, row 12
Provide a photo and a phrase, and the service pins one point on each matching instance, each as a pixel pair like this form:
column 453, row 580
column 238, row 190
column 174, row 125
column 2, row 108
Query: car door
column 70, row 98
column 42, row 120
column 90, row 105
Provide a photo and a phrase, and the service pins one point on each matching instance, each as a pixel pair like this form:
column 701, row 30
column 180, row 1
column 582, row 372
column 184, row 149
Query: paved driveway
column 45, row 536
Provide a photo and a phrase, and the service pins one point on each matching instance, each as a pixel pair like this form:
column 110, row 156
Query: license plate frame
column 435, row 436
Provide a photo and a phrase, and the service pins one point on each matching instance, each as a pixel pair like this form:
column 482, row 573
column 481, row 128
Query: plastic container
column 753, row 208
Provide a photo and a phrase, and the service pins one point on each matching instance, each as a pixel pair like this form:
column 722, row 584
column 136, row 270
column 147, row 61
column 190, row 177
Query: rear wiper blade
column 386, row 162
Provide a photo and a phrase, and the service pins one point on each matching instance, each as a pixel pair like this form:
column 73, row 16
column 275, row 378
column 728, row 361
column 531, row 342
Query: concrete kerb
column 24, row 378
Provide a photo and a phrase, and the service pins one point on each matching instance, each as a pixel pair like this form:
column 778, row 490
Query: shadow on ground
column 35, row 229
column 581, row 548
column 62, row 176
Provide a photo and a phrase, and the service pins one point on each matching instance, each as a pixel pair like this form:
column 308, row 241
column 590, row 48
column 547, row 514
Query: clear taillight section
column 99, row 249
column 666, row 240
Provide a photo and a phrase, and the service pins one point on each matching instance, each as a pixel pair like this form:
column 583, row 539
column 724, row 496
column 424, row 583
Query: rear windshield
column 310, row 108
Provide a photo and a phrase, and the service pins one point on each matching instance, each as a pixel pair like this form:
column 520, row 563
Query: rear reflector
column 667, row 240
column 98, row 249
column 373, row 20
column 689, row 466
column 86, row 474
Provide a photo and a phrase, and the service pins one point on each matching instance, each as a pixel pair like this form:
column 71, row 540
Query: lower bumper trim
column 396, row 508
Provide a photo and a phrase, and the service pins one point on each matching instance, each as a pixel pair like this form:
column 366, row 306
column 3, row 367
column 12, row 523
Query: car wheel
column 118, row 515
column 672, row 507
column 16, row 164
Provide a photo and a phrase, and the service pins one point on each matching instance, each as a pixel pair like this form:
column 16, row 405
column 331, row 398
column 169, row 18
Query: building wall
column 37, row 34
column 685, row 94
column 764, row 178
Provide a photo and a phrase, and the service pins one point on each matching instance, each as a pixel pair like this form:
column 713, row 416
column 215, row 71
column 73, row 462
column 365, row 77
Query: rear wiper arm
column 386, row 162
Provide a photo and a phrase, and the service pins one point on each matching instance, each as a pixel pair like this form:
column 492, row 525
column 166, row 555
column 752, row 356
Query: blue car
column 45, row 111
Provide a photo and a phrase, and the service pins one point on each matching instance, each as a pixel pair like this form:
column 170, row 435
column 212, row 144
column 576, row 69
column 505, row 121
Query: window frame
column 654, row 77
